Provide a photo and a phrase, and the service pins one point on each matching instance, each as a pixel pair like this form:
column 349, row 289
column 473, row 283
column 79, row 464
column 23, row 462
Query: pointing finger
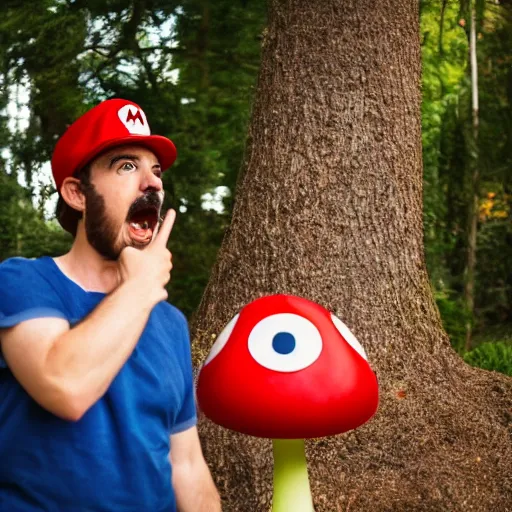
column 162, row 236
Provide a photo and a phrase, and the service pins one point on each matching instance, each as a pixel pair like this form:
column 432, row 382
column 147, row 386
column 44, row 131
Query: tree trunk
column 469, row 282
column 329, row 207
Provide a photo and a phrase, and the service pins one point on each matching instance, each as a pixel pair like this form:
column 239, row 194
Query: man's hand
column 150, row 269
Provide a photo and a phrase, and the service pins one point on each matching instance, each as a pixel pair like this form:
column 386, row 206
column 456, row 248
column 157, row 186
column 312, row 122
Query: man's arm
column 67, row 370
column 191, row 478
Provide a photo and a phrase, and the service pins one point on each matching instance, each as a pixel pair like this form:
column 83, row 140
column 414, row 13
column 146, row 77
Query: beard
column 101, row 230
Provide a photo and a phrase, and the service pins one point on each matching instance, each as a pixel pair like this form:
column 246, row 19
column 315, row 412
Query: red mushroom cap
column 286, row 368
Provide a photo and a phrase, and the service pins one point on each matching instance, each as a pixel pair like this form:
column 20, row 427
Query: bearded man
column 97, row 407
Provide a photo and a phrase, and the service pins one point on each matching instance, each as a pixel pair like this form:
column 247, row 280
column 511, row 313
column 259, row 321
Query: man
column 95, row 368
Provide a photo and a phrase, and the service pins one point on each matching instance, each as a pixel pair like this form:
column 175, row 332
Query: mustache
column 150, row 199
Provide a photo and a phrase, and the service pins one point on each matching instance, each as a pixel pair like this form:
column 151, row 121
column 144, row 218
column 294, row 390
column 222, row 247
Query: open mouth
column 142, row 224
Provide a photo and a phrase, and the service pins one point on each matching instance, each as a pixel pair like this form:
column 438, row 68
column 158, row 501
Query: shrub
column 496, row 356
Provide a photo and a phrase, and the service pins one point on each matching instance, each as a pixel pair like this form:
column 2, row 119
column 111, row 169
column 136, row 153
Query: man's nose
column 151, row 180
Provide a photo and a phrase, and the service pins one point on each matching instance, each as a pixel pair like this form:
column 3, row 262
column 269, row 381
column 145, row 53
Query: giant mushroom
column 287, row 369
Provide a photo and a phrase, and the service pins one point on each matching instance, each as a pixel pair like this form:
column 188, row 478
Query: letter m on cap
column 134, row 120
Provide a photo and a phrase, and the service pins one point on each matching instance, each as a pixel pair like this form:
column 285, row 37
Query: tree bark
column 329, row 207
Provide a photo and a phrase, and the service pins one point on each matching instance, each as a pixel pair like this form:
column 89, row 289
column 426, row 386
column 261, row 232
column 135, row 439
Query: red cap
column 286, row 368
column 111, row 123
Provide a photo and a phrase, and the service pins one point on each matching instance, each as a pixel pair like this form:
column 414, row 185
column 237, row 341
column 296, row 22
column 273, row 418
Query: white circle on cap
column 134, row 120
column 302, row 339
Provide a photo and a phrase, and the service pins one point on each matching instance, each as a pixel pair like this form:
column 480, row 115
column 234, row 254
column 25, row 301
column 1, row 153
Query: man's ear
column 72, row 194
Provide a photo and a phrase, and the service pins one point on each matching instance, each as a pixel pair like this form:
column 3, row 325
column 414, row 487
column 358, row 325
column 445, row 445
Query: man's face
column 123, row 200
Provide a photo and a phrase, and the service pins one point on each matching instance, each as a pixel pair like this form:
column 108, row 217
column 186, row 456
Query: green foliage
column 495, row 356
column 23, row 231
column 444, row 57
column 195, row 240
column 449, row 152
column 217, row 79
column 494, row 280
column 454, row 316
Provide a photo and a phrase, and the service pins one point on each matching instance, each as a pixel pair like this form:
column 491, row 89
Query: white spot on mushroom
column 349, row 337
column 222, row 339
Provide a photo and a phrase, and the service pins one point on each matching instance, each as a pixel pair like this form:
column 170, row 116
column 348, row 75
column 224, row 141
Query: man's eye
column 158, row 173
column 128, row 166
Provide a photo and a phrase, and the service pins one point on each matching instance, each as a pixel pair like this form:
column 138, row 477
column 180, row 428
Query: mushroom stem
column 291, row 483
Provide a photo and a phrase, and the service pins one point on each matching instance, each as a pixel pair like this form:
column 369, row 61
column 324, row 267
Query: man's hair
column 68, row 217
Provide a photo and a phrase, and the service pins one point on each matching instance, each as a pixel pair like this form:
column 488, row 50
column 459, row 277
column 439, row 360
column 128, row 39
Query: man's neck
column 86, row 267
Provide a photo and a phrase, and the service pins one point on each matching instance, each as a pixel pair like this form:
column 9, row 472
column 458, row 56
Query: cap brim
column 162, row 147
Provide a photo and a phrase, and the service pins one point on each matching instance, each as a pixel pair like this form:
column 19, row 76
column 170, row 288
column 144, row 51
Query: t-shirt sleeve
column 187, row 416
column 24, row 295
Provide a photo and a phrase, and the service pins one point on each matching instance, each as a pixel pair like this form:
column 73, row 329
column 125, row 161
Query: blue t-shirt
column 115, row 458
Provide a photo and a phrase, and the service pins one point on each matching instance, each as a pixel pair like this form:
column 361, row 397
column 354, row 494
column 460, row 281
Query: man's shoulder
column 171, row 312
column 19, row 267
column 27, row 291
column 16, row 262
column 17, row 275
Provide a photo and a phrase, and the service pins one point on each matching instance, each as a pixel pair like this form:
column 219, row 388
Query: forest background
column 193, row 66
